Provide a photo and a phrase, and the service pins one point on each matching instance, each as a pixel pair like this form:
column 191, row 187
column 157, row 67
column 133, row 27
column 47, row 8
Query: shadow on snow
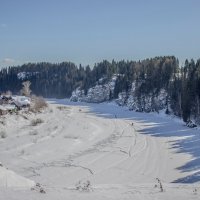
column 188, row 140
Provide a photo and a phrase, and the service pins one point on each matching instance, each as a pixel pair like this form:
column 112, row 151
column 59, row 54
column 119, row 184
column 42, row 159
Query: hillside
column 146, row 86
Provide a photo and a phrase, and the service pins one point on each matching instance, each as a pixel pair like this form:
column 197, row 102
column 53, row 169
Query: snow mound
column 10, row 179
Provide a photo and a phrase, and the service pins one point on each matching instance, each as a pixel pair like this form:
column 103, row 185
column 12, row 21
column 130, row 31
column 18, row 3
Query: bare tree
column 26, row 91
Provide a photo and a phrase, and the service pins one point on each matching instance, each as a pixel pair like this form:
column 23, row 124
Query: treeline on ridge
column 59, row 80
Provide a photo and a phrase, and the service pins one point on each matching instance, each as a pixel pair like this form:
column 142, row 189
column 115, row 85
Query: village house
column 9, row 103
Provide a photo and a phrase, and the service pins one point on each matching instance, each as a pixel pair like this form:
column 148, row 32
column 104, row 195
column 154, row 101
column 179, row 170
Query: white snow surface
column 98, row 151
column 9, row 179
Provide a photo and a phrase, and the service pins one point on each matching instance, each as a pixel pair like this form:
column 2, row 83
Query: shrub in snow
column 22, row 152
column 62, row 108
column 38, row 104
column 84, row 186
column 37, row 121
column 42, row 190
column 195, row 191
column 39, row 188
column 159, row 185
column 3, row 123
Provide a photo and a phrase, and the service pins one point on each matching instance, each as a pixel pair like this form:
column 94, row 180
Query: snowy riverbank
column 100, row 151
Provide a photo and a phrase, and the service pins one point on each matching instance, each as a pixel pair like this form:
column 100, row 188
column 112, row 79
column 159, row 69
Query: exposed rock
column 150, row 102
column 143, row 103
column 96, row 94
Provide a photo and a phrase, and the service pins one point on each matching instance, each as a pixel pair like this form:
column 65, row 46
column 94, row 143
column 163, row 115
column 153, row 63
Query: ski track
column 95, row 148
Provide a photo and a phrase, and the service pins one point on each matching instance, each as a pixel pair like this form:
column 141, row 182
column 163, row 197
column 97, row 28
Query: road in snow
column 120, row 153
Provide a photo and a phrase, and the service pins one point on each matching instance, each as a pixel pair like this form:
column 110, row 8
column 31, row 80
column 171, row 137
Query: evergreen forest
column 58, row 80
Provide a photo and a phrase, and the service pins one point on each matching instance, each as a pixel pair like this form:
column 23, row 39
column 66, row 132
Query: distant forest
column 59, row 80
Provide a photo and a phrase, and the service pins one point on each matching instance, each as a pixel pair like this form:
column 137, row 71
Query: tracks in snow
column 105, row 149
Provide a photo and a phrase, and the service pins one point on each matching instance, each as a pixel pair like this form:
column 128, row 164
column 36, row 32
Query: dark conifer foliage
column 150, row 76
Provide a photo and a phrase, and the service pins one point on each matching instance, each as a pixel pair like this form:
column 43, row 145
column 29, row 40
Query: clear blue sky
column 88, row 31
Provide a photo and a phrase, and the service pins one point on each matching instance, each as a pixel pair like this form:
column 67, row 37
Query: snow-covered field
column 97, row 151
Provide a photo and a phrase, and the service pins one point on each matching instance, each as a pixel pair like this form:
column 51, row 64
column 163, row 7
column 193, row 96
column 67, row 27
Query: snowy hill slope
column 9, row 179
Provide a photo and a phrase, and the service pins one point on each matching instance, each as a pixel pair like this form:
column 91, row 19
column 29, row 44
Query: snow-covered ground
column 98, row 151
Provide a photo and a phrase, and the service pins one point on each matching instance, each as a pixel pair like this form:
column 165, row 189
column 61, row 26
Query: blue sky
column 88, row 31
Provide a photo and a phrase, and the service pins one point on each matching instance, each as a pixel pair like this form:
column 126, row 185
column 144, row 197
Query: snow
column 21, row 100
column 21, row 75
column 25, row 75
column 9, row 179
column 100, row 151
